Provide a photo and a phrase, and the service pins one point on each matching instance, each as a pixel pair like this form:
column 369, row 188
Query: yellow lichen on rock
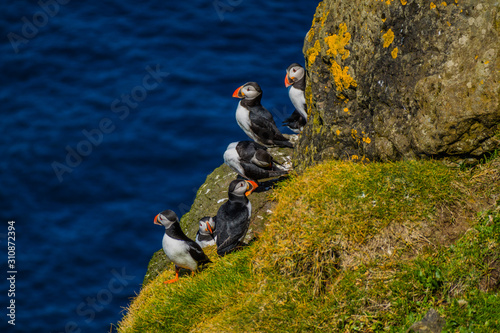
column 310, row 35
column 309, row 98
column 336, row 43
column 336, row 47
column 313, row 52
column 323, row 18
column 388, row 38
column 342, row 79
column 394, row 53
column 433, row 5
column 403, row 2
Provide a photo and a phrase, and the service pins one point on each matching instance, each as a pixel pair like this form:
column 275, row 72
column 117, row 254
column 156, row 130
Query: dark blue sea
column 112, row 111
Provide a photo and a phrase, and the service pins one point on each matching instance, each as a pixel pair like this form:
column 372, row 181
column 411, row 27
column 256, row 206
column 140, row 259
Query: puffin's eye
column 294, row 70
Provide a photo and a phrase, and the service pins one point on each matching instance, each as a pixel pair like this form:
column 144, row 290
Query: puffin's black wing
column 267, row 131
column 197, row 253
column 247, row 150
column 262, row 112
column 232, row 226
column 253, row 171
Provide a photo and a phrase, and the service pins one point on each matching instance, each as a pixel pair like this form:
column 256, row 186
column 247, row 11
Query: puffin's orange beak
column 209, row 228
column 253, row 187
column 156, row 220
column 237, row 93
column 287, row 82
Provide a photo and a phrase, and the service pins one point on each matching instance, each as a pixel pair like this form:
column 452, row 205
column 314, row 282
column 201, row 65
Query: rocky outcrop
column 431, row 323
column 396, row 79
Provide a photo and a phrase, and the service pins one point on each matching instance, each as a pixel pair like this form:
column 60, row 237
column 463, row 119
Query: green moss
column 349, row 247
column 158, row 264
column 181, row 306
column 334, row 199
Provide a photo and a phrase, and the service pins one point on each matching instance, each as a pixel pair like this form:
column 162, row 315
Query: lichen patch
column 337, row 43
column 388, row 38
column 313, row 52
column 394, row 53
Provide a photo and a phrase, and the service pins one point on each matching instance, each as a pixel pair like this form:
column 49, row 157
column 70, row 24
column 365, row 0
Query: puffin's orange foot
column 174, row 279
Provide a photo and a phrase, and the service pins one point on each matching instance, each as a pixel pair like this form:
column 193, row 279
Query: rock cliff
column 396, row 79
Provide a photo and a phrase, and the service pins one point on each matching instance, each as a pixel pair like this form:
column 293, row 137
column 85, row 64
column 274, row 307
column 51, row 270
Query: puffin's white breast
column 232, row 159
column 243, row 120
column 298, row 100
column 178, row 252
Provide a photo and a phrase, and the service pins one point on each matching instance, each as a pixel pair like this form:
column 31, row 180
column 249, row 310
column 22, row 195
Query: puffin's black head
column 294, row 73
column 166, row 218
column 240, row 187
column 207, row 225
column 249, row 90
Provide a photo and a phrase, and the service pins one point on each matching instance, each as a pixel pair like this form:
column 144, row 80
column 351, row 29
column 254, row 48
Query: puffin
column 233, row 217
column 295, row 79
column 251, row 160
column 295, row 122
column 180, row 249
column 205, row 234
column 255, row 120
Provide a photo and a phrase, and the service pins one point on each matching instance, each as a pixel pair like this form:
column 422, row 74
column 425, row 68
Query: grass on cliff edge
column 350, row 248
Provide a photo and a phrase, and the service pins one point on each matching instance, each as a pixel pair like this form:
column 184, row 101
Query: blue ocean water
column 113, row 111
